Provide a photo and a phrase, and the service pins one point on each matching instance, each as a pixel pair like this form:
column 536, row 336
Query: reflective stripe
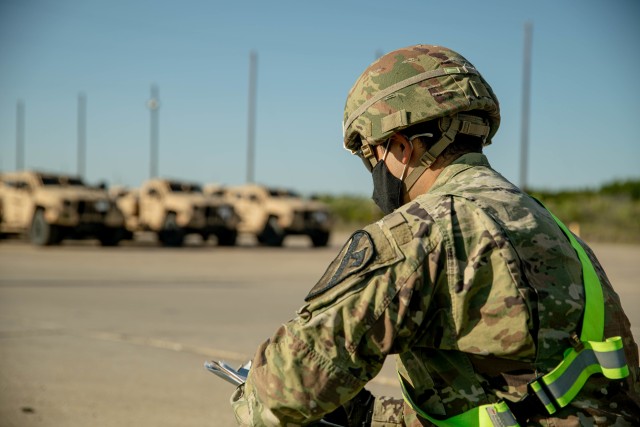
column 543, row 396
column 568, row 378
column 492, row 415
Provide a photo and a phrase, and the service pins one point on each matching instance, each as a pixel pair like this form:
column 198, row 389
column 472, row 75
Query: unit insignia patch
column 354, row 256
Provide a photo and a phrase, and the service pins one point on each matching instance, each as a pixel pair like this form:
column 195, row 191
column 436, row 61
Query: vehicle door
column 152, row 209
column 17, row 210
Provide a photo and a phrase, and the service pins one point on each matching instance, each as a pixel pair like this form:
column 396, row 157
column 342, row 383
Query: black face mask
column 387, row 189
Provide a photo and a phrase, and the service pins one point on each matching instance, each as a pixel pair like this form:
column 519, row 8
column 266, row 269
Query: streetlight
column 526, row 94
column 154, row 105
column 20, row 135
column 82, row 134
column 251, row 125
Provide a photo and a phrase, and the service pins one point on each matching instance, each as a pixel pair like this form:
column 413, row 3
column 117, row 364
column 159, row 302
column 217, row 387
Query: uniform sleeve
column 359, row 312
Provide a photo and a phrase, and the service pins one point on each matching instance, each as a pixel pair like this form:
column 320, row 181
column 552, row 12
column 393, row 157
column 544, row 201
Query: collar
column 462, row 163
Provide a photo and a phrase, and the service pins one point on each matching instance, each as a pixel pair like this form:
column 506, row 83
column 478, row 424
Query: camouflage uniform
column 472, row 286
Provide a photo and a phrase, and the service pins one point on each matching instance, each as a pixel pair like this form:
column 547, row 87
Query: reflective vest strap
column 593, row 356
column 560, row 386
column 593, row 318
column 492, row 415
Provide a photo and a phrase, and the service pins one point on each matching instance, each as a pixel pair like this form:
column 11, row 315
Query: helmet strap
column 430, row 155
column 462, row 123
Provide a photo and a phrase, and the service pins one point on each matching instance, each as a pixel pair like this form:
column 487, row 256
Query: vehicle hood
column 184, row 201
column 291, row 203
column 71, row 193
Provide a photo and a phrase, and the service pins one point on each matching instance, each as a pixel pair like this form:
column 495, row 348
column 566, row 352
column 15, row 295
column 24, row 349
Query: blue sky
column 585, row 104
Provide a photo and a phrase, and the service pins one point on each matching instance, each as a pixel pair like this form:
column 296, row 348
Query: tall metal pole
column 526, row 93
column 20, row 135
column 154, row 106
column 251, row 125
column 82, row 134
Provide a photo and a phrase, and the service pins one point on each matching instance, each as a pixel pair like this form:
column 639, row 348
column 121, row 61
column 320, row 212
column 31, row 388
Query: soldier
column 496, row 314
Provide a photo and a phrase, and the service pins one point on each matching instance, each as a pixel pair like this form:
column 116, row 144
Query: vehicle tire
column 227, row 238
column 41, row 232
column 111, row 236
column 171, row 234
column 272, row 234
column 319, row 239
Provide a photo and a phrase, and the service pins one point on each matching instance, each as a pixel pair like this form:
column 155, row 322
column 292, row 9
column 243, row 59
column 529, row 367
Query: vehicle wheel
column 42, row 233
column 171, row 233
column 272, row 234
column 319, row 239
column 227, row 238
column 111, row 236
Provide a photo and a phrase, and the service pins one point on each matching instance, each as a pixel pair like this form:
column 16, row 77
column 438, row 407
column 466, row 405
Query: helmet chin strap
column 470, row 125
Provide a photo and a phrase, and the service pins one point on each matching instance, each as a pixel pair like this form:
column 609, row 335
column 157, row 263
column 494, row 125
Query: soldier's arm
column 320, row 360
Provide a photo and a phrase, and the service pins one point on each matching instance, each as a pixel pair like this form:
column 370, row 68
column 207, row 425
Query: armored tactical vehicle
column 50, row 207
column 271, row 214
column 173, row 209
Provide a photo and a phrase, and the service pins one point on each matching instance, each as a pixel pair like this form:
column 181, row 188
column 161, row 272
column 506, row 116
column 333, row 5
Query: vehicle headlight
column 65, row 208
column 320, row 217
column 225, row 212
column 102, row 205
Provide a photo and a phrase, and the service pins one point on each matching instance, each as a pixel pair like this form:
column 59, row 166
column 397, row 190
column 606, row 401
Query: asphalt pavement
column 107, row 337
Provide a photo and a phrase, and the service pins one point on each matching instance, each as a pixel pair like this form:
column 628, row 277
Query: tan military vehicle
column 272, row 214
column 51, row 207
column 173, row 209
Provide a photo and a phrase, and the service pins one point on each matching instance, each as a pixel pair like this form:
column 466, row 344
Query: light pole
column 20, row 135
column 154, row 105
column 251, row 125
column 526, row 93
column 82, row 134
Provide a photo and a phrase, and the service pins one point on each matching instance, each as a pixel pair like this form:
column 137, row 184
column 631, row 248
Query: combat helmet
column 413, row 85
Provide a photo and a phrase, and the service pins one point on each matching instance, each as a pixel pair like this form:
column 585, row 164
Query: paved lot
column 93, row 336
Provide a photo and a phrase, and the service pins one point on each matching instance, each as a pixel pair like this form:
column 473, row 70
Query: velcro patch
column 353, row 257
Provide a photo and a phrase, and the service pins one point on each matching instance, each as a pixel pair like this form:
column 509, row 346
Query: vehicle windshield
column 181, row 187
column 60, row 180
column 278, row 192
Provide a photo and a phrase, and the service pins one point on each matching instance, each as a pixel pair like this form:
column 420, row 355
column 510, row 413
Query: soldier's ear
column 407, row 150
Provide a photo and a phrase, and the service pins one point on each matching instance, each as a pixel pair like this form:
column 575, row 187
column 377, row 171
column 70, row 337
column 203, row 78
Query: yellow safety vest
column 559, row 387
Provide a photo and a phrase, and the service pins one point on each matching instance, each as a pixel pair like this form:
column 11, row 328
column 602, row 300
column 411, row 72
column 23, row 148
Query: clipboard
column 226, row 372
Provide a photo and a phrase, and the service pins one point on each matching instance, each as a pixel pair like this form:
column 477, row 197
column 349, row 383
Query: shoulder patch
column 354, row 256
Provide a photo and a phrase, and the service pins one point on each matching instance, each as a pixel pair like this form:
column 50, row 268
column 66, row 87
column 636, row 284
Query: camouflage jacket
column 475, row 290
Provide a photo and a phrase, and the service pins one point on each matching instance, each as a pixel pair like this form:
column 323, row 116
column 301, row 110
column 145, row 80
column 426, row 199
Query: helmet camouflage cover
column 414, row 85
